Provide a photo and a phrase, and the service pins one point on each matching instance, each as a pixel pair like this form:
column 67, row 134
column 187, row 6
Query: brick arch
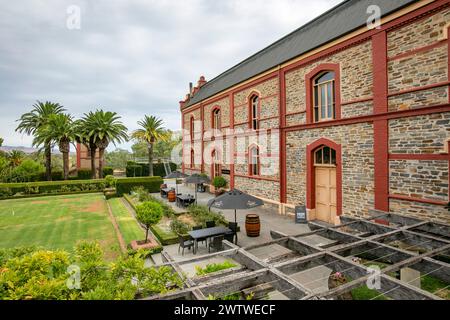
column 213, row 110
column 310, row 175
column 309, row 78
column 214, row 151
column 252, row 94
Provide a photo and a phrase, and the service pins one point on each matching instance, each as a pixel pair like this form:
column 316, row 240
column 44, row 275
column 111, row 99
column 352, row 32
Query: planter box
column 141, row 244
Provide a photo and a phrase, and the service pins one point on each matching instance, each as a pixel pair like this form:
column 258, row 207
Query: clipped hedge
column 108, row 171
column 151, row 184
column 134, row 169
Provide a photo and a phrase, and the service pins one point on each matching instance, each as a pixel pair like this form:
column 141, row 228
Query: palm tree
column 99, row 129
column 15, row 158
column 151, row 131
column 61, row 130
column 38, row 117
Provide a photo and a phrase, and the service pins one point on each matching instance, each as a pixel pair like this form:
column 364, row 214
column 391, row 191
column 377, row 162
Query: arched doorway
column 324, row 180
column 325, row 186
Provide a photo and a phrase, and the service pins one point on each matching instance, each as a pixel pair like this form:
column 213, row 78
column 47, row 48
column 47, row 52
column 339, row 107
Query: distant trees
column 1, row 141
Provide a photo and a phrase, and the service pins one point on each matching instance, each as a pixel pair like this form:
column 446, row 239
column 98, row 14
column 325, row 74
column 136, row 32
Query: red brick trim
column 78, row 156
column 356, row 101
column 282, row 135
column 252, row 94
column 231, row 102
column 309, row 78
column 310, row 173
column 421, row 200
column 262, row 178
column 295, row 113
column 418, row 50
column 408, row 156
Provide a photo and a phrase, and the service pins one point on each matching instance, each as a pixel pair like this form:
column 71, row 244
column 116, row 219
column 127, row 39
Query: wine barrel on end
column 171, row 196
column 252, row 225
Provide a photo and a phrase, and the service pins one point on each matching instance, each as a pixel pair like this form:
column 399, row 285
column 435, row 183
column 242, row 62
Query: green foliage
column 30, row 273
column 110, row 181
column 151, row 184
column 1, row 141
column 134, row 169
column 149, row 213
column 117, row 159
column 84, row 174
column 108, row 171
column 219, row 182
column 179, row 227
column 46, row 187
column 214, row 267
column 201, row 214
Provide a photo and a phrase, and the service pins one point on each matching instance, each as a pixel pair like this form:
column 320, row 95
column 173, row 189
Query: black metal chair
column 210, row 224
column 184, row 244
column 233, row 226
column 216, row 243
column 200, row 239
column 229, row 236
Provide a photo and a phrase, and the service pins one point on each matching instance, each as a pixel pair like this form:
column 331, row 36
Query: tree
column 59, row 129
column 15, row 158
column 99, row 129
column 151, row 131
column 118, row 158
column 1, row 141
column 38, row 117
column 149, row 213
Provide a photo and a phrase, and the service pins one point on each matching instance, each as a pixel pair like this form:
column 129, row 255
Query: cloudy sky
column 133, row 57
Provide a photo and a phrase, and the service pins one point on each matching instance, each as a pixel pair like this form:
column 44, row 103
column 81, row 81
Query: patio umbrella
column 176, row 175
column 235, row 199
column 197, row 179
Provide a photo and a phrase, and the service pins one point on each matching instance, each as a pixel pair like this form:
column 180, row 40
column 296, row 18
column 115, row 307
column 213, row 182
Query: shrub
column 214, row 267
column 219, row 182
column 134, row 171
column 149, row 213
column 108, row 171
column 151, row 184
column 179, row 227
column 84, row 174
column 110, row 181
column 201, row 214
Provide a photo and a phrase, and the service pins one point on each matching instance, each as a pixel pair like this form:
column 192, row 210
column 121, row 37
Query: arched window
column 216, row 164
column 325, row 156
column 191, row 128
column 254, row 160
column 192, row 158
column 324, row 96
column 254, row 112
column 216, row 121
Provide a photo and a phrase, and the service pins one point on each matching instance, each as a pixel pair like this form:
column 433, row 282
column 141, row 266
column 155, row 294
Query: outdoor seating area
column 335, row 264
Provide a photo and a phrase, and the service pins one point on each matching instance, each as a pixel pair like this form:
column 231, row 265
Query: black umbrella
column 235, row 199
column 197, row 179
column 176, row 175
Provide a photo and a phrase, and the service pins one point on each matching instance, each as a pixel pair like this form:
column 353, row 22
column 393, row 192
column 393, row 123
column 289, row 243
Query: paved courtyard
column 269, row 217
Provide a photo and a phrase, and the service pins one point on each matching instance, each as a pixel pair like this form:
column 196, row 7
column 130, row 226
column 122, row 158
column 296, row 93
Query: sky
column 133, row 57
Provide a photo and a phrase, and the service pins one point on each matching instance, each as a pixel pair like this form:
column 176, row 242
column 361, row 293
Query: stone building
column 345, row 114
column 84, row 158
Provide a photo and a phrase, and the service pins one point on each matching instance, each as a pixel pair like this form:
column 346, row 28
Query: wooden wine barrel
column 252, row 225
column 172, row 196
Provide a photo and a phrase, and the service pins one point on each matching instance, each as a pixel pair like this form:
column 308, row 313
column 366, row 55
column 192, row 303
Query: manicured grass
column 128, row 225
column 364, row 293
column 435, row 286
column 57, row 222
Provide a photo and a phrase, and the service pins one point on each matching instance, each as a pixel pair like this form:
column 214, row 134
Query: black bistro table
column 185, row 200
column 164, row 192
column 206, row 233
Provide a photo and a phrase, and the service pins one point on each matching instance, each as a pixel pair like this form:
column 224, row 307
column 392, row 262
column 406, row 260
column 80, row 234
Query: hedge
column 152, row 184
column 10, row 190
column 134, row 169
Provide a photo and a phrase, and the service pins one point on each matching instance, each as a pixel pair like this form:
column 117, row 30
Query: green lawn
column 128, row 225
column 57, row 222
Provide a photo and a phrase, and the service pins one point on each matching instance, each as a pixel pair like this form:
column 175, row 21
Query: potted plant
column 219, row 183
column 148, row 213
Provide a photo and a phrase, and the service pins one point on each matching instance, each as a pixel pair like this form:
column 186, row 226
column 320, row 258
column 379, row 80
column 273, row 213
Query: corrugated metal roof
column 335, row 23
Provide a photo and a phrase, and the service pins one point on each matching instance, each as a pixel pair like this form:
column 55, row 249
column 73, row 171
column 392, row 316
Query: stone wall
column 224, row 105
column 419, row 34
column 420, row 210
column 260, row 188
column 421, row 134
column 419, row 99
column 424, row 179
column 357, row 165
column 357, row 109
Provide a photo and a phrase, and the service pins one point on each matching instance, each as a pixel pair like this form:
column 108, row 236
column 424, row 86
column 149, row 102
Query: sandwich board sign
column 300, row 214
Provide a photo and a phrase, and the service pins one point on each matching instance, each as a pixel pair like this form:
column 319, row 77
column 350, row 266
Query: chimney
column 190, row 89
column 201, row 82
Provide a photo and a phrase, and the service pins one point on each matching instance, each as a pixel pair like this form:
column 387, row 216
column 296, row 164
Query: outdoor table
column 164, row 192
column 206, row 233
column 185, row 200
